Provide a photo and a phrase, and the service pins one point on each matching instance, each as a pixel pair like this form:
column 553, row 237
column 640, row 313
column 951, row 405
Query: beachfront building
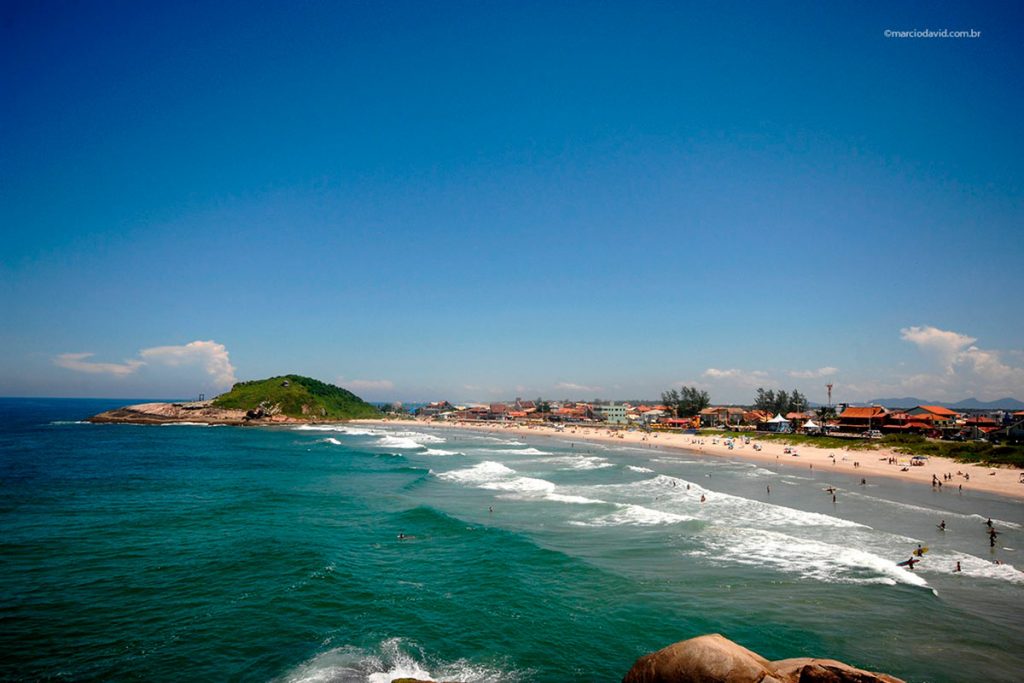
column 435, row 408
column 859, row 419
column 937, row 414
column 612, row 413
column 721, row 416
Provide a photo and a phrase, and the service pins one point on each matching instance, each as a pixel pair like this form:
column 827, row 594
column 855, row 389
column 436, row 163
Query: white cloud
column 367, row 384
column 77, row 362
column 570, row 386
column 736, row 377
column 964, row 369
column 813, row 374
column 943, row 344
column 209, row 355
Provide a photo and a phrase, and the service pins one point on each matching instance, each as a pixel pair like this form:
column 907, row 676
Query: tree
column 670, row 399
column 692, row 400
column 686, row 402
column 780, row 402
column 825, row 413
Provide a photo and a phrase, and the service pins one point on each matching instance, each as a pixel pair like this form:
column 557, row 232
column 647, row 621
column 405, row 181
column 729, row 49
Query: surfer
column 989, row 523
column 942, row 525
column 909, row 564
column 702, row 498
column 957, row 568
column 769, row 488
column 402, row 537
column 919, row 551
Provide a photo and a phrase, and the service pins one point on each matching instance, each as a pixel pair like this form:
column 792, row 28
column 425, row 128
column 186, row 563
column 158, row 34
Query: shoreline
column 857, row 463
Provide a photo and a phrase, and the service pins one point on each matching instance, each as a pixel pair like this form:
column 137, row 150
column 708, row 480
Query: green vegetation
column 780, row 402
column 962, row 451
column 686, row 402
column 297, row 396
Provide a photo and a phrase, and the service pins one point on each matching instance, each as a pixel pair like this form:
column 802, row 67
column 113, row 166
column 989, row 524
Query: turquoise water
column 215, row 553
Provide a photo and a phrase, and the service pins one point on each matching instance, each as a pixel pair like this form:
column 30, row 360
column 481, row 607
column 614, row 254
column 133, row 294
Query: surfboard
column 920, row 551
column 905, row 563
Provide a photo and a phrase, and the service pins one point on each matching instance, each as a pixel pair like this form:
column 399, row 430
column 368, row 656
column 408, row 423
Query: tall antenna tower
column 829, row 387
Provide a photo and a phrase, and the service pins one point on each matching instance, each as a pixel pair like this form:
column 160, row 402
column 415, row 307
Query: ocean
column 350, row 553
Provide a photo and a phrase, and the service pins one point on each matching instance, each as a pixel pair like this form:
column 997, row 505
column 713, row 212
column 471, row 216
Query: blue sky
column 483, row 200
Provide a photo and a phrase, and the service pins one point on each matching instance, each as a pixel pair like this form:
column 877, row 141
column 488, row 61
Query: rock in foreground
column 716, row 659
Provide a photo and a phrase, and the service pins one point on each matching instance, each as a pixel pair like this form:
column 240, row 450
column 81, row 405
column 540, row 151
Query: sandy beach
column 863, row 463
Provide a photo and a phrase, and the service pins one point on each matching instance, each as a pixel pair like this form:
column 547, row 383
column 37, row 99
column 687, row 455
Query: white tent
column 809, row 425
column 779, row 424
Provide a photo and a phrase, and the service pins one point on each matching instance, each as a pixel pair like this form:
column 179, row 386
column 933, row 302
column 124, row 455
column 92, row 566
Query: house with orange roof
column 721, row 416
column 942, row 418
column 858, row 419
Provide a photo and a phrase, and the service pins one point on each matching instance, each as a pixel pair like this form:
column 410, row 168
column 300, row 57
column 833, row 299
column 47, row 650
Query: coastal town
column 843, row 420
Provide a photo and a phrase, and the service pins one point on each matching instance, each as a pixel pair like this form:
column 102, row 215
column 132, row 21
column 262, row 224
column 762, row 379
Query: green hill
column 296, row 396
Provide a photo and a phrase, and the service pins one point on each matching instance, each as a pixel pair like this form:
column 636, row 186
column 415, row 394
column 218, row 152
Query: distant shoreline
column 865, row 464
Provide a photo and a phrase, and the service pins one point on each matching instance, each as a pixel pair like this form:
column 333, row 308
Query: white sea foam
column 440, row 451
column 398, row 442
column 527, row 485
column 970, row 565
column 575, row 462
column 634, row 515
column 185, row 424
column 638, row 469
column 480, row 473
column 808, row 558
column 342, row 429
column 330, row 440
column 494, row 476
column 419, row 437
column 392, row 659
column 516, row 451
column 70, row 422
column 576, row 500
column 996, row 522
column 948, row 514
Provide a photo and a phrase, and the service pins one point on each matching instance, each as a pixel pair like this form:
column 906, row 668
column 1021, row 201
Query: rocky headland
column 276, row 400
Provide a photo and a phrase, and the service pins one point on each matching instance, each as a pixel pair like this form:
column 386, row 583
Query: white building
column 613, row 414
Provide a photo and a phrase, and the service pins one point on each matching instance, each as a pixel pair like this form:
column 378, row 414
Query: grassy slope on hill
column 325, row 401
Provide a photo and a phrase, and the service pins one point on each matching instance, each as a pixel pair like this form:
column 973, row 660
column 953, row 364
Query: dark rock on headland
column 716, row 659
